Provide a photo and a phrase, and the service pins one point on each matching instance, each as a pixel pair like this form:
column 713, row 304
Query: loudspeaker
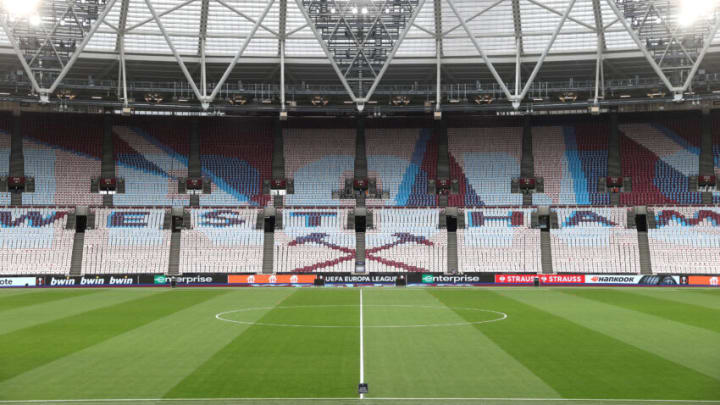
column 451, row 223
column 360, row 223
column 269, row 224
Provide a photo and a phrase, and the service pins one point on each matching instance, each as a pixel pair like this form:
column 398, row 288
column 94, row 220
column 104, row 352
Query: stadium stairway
column 546, row 252
column 77, row 254
column 707, row 164
column 527, row 163
column 359, row 247
column 268, row 252
column 17, row 157
column 443, row 162
column 194, row 166
column 644, row 251
column 360, row 170
column 614, row 168
column 452, row 253
column 107, row 166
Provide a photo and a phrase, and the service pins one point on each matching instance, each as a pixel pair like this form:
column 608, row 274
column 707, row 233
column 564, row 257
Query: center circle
column 349, row 319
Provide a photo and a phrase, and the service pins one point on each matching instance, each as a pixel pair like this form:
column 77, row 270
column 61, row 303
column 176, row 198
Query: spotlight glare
column 20, row 8
column 693, row 10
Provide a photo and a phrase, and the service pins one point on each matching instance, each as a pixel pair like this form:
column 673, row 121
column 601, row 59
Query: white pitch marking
column 290, row 400
column 362, row 351
column 502, row 317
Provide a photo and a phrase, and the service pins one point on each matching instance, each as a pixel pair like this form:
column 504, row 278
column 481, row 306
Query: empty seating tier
column 594, row 241
column 127, row 241
column 319, row 161
column 151, row 158
column 484, row 161
column 660, row 161
column 499, row 240
column 571, row 160
column 686, row 240
column 314, row 240
column 35, row 241
column 237, row 158
column 222, row 241
column 402, row 161
column 406, row 240
column 63, row 153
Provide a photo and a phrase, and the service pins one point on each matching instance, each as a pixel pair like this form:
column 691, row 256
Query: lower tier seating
column 36, row 251
column 502, row 250
column 595, row 250
column 308, row 251
column 126, row 252
column 685, row 251
column 221, row 251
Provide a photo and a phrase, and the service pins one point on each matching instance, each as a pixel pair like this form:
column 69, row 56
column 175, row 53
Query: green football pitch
column 415, row 346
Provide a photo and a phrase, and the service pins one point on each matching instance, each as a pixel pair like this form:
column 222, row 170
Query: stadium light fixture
column 693, row 10
column 21, row 8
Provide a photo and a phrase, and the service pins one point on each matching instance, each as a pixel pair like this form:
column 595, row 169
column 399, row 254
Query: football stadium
column 381, row 202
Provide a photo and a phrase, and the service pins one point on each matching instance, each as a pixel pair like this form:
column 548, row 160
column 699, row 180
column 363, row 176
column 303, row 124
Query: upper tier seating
column 63, row 153
column 237, row 158
column 222, row 241
column 571, row 160
column 35, row 241
column 4, row 162
column 150, row 159
column 498, row 240
column 127, row 241
column 402, row 161
column 319, row 160
column 406, row 240
column 660, row 161
column 484, row 161
column 594, row 241
column 314, row 240
column 686, row 241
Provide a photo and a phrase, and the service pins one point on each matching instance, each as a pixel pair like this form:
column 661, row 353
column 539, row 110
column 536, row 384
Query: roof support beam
column 360, row 101
column 168, row 11
column 45, row 92
column 282, row 25
column 239, row 53
column 677, row 90
column 437, row 8
column 599, row 27
column 18, row 52
column 517, row 22
column 122, row 23
column 202, row 43
column 179, row 60
column 491, row 67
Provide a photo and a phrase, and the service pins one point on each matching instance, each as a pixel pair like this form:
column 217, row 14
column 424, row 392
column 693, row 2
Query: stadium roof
column 510, row 33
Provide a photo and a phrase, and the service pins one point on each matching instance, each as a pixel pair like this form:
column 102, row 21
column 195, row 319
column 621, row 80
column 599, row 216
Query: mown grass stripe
column 689, row 314
column 695, row 348
column 579, row 362
column 25, row 300
column 436, row 361
column 25, row 317
column 28, row 348
column 683, row 296
column 282, row 362
column 151, row 359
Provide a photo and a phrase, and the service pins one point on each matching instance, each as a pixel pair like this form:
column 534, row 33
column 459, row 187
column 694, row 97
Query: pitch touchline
column 501, row 317
column 37, row 401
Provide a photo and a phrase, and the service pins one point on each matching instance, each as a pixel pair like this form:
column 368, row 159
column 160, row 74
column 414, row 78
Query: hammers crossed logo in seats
column 401, row 238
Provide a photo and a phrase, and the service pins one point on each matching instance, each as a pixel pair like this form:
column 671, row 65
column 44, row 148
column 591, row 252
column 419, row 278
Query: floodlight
column 20, row 8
